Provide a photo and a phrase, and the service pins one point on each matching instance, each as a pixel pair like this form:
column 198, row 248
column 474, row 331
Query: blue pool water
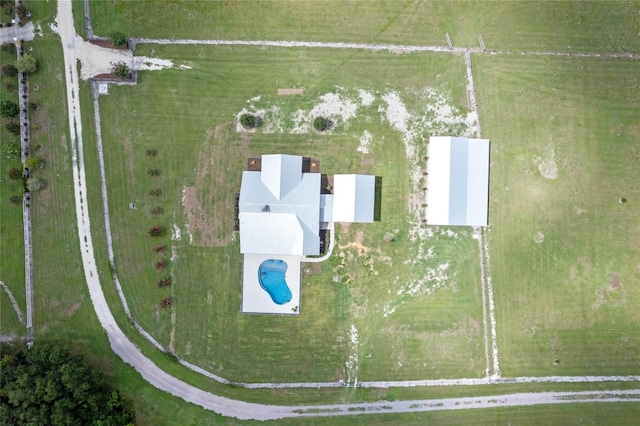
column 271, row 279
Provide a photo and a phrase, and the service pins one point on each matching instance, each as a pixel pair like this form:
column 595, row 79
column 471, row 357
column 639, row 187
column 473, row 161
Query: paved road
column 225, row 406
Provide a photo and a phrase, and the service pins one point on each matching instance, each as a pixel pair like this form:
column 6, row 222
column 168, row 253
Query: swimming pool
column 271, row 275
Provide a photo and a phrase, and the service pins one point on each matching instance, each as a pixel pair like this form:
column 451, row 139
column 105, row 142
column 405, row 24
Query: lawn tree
column 8, row 47
column 248, row 121
column 121, row 70
column 119, row 39
column 27, row 63
column 8, row 70
column 321, row 124
column 13, row 127
column 48, row 386
column 9, row 109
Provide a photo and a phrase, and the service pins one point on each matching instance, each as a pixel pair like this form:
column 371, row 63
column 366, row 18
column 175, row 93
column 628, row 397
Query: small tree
column 153, row 172
column 8, row 70
column 166, row 302
column 156, row 192
column 8, row 7
column 15, row 173
column 157, row 210
column 160, row 264
column 27, row 63
column 119, row 39
column 9, row 109
column 321, row 124
column 10, row 86
column 31, row 163
column 13, row 127
column 8, row 47
column 120, row 70
column 163, row 282
column 156, row 231
column 160, row 248
column 15, row 200
column 152, row 152
column 248, row 121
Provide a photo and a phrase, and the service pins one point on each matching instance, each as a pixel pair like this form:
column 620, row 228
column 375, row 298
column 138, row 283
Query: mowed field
column 567, row 26
column 405, row 310
column 565, row 251
column 64, row 314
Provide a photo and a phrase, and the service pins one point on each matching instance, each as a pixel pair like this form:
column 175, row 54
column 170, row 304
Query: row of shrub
column 250, row 121
column 158, row 231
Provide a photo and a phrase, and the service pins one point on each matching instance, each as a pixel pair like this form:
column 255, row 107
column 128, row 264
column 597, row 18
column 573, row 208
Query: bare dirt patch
column 548, row 169
column 209, row 205
column 291, row 91
column 538, row 238
column 73, row 308
column 613, row 294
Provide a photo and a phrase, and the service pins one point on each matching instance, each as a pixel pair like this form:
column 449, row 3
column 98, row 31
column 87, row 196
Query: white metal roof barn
column 457, row 181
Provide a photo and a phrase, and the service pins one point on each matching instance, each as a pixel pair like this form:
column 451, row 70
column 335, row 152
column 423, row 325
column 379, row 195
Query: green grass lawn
column 399, row 321
column 573, row 295
column 11, row 230
column 589, row 108
column 522, row 25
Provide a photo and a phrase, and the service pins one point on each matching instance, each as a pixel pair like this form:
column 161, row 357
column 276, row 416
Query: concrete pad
column 256, row 300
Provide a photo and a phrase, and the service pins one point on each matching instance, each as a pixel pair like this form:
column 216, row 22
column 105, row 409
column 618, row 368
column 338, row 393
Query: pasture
column 399, row 301
column 564, row 248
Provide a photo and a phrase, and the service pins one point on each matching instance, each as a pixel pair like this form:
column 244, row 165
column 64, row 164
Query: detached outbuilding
column 457, row 181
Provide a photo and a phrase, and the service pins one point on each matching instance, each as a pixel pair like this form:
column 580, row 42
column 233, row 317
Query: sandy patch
column 291, row 91
column 352, row 363
column 176, row 233
column 613, row 294
column 538, row 238
column 365, row 142
column 548, row 169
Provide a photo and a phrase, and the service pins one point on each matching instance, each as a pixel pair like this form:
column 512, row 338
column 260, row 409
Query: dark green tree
column 119, row 39
column 248, row 121
column 121, row 70
column 47, row 386
column 321, row 124
column 13, row 127
column 8, row 70
column 9, row 109
column 8, row 47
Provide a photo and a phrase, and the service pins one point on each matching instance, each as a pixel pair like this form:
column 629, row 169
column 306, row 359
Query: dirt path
column 13, row 303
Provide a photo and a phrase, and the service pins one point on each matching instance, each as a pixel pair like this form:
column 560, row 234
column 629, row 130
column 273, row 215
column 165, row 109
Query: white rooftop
column 279, row 208
column 458, row 181
column 353, row 198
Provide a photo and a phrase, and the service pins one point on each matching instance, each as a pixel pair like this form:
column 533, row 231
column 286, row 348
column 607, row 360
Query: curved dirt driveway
column 129, row 353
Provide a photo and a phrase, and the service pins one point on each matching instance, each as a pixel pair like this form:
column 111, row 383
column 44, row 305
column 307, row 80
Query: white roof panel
column 458, row 190
column 353, row 198
column 439, row 172
column 271, row 233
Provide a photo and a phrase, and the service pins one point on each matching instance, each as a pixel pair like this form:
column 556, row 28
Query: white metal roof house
column 279, row 208
column 458, row 181
column 282, row 215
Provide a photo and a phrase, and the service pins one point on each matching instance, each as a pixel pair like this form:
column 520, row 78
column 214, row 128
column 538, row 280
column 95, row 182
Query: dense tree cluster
column 47, row 386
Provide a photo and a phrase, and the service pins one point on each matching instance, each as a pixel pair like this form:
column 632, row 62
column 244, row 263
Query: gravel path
column 129, row 353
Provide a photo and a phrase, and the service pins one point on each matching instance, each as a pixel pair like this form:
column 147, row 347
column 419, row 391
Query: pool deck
column 256, row 300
